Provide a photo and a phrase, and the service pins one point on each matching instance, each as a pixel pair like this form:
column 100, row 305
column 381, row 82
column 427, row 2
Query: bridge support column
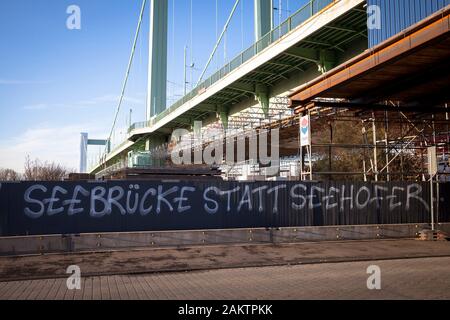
column 223, row 113
column 324, row 59
column 327, row 60
column 83, row 152
column 151, row 143
column 157, row 69
column 154, row 142
column 263, row 17
column 262, row 95
column 85, row 142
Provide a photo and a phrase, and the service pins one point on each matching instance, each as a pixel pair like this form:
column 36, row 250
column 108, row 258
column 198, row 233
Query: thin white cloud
column 110, row 99
column 11, row 82
column 54, row 144
column 40, row 106
column 97, row 101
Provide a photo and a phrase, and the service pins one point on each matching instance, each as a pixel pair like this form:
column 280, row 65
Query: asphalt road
column 422, row 278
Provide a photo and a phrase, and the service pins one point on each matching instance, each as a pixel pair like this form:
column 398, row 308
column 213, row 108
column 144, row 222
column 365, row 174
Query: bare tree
column 37, row 170
column 9, row 175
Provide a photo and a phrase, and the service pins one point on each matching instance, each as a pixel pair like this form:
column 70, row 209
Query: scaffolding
column 393, row 142
column 387, row 142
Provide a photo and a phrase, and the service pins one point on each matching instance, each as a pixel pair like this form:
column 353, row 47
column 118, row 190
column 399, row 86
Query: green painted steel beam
column 97, row 142
column 263, row 97
column 307, row 54
column 224, row 113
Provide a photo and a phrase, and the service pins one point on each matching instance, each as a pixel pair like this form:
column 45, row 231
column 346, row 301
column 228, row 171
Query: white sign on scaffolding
column 305, row 131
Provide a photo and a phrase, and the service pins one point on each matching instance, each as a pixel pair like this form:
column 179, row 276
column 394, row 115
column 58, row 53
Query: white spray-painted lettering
column 102, row 200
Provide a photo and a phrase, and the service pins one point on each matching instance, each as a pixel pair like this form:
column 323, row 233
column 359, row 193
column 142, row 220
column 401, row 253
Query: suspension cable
column 242, row 25
column 127, row 74
column 225, row 28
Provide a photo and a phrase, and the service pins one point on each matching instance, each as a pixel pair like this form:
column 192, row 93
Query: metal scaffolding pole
column 386, row 138
column 375, row 150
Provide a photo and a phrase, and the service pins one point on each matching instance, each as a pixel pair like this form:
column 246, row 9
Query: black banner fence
column 37, row 208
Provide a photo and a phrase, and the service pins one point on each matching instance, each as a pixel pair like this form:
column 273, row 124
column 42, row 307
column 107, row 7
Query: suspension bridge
column 286, row 72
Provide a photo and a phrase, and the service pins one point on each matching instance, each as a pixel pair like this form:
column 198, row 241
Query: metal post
column 302, row 159
column 280, row 13
column 422, row 162
column 330, row 149
column 432, row 202
column 432, row 177
column 310, row 162
column 364, row 134
column 131, row 114
column 386, row 138
column 310, row 149
column 401, row 154
column 185, row 71
column 365, row 170
column 375, row 149
column 437, row 201
column 448, row 127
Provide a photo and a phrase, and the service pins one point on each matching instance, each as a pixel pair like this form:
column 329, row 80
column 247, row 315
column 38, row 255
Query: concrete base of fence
column 10, row 246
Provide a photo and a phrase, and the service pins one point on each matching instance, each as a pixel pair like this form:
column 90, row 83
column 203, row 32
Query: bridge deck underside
column 412, row 68
column 335, row 37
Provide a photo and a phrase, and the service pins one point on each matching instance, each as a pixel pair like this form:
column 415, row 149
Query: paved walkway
column 215, row 257
column 422, row 278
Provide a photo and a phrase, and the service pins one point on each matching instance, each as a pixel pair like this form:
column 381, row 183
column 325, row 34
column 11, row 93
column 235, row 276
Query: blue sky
column 56, row 83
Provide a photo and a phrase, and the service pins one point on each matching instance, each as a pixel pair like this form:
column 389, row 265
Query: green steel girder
column 206, row 107
column 342, row 28
column 97, row 142
column 325, row 59
column 307, row 54
column 268, row 73
column 286, row 65
column 223, row 112
column 183, row 120
column 322, row 43
column 243, row 87
column 263, row 97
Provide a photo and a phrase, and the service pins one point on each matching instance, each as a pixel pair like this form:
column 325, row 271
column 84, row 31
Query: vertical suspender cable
column 217, row 29
column 173, row 30
column 127, row 74
column 192, row 40
column 242, row 24
column 225, row 48
column 280, row 12
column 218, row 42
